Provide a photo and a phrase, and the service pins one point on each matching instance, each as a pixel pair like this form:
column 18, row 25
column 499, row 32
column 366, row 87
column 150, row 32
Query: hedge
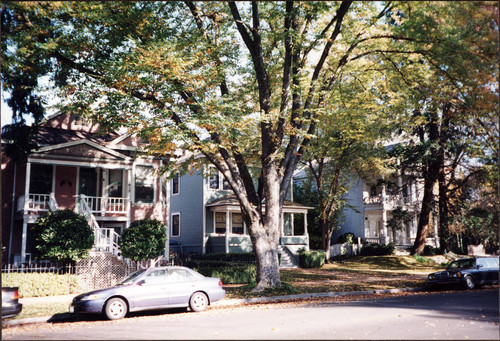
column 312, row 259
column 42, row 284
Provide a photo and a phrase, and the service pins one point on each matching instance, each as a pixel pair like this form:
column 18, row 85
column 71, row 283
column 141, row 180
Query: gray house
column 205, row 217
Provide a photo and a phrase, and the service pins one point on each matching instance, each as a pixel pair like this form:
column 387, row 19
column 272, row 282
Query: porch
column 226, row 232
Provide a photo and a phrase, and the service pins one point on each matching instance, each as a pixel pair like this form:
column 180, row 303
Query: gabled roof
column 80, row 149
column 48, row 136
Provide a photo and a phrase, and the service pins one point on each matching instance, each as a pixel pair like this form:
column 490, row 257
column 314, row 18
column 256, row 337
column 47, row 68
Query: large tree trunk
column 432, row 166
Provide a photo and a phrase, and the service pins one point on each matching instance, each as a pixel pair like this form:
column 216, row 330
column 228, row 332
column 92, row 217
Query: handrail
column 104, row 238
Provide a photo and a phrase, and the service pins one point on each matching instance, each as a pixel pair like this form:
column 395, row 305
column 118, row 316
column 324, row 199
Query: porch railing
column 101, row 205
column 390, row 199
column 38, row 203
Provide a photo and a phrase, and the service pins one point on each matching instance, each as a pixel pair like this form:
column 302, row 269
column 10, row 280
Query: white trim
column 172, row 224
column 90, row 164
column 78, row 142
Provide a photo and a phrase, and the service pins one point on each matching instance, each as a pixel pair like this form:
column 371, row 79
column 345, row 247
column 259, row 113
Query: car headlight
column 90, row 297
column 431, row 277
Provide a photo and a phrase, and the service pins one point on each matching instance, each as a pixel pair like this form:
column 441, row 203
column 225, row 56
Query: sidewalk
column 222, row 303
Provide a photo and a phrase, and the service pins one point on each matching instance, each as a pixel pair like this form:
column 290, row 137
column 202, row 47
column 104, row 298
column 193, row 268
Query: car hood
column 95, row 292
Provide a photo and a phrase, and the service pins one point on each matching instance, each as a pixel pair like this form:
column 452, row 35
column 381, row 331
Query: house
column 105, row 177
column 373, row 201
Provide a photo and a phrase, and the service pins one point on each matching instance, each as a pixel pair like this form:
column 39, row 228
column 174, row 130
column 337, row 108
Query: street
column 437, row 315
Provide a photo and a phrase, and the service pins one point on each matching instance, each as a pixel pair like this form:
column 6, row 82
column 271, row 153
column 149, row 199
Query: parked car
column 153, row 288
column 10, row 302
column 470, row 272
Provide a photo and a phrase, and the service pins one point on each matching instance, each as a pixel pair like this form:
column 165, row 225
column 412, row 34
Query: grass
column 354, row 274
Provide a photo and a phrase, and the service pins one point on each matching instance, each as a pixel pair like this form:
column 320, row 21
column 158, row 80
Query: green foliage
column 42, row 284
column 431, row 251
column 226, row 257
column 346, row 238
column 312, row 259
column 421, row 259
column 378, row 249
column 144, row 239
column 229, row 273
column 62, row 236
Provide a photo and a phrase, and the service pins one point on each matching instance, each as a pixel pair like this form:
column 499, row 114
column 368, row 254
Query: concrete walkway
column 222, row 303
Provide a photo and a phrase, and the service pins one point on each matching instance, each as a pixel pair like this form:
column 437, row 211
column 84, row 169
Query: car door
column 150, row 290
column 181, row 285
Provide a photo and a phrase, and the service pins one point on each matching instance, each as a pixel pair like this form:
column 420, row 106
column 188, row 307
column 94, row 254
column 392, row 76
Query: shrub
column 144, row 239
column 229, row 273
column 62, row 236
column 431, row 251
column 42, row 284
column 346, row 238
column 421, row 259
column 311, row 259
column 378, row 249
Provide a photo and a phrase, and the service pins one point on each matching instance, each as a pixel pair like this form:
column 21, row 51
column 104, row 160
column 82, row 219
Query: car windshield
column 132, row 277
column 462, row 264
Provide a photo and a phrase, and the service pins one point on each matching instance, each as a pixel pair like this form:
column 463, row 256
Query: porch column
column 305, row 230
column 129, row 195
column 26, row 205
column 384, row 215
column 227, row 231
column 104, row 191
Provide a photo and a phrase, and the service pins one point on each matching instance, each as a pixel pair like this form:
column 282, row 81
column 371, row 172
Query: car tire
column 198, row 301
column 469, row 282
column 115, row 309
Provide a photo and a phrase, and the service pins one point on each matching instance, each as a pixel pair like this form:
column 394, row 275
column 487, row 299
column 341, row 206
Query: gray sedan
column 153, row 288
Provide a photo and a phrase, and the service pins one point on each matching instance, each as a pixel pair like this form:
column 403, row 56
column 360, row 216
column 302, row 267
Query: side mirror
column 141, row 282
column 479, row 266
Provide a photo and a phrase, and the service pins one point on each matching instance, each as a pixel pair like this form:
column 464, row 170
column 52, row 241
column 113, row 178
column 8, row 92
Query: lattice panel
column 101, row 270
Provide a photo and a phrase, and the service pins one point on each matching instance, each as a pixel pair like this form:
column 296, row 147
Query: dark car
column 10, row 302
column 469, row 272
column 153, row 288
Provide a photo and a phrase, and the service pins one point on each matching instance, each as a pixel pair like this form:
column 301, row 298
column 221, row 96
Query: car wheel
column 115, row 309
column 198, row 302
column 469, row 282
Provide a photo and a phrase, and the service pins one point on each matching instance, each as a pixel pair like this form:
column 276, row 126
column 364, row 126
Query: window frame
column 153, row 184
column 175, row 214
column 176, row 184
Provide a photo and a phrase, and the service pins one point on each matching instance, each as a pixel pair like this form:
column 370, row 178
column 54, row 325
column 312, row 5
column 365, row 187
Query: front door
column 88, row 182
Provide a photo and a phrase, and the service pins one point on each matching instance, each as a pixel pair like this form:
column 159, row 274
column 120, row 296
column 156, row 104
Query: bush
column 378, row 249
column 248, row 257
column 311, row 259
column 431, row 251
column 144, row 239
column 229, row 273
column 42, row 284
column 346, row 238
column 62, row 236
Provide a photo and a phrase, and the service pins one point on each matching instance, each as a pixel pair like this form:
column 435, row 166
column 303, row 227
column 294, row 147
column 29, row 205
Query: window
column 41, row 179
column 176, row 225
column 156, row 277
column 115, row 188
column 214, row 180
column 175, row 184
column 144, row 184
column 237, row 223
column 220, row 222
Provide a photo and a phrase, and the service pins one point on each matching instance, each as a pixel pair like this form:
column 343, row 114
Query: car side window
column 156, row 276
column 179, row 275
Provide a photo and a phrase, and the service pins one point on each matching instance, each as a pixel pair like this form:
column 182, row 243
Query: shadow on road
column 475, row 305
column 68, row 317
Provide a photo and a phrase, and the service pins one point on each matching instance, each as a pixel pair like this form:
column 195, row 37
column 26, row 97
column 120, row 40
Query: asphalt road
column 441, row 315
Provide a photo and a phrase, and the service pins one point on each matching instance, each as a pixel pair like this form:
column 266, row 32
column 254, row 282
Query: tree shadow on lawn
column 75, row 317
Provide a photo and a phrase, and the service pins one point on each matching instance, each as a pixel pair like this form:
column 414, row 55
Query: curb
column 233, row 302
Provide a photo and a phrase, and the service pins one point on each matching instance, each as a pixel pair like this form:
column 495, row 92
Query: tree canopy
column 243, row 83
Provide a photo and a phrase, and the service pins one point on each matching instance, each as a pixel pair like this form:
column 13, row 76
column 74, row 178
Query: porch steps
column 287, row 260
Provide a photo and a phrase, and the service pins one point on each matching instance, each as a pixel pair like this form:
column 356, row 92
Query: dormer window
column 80, row 120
